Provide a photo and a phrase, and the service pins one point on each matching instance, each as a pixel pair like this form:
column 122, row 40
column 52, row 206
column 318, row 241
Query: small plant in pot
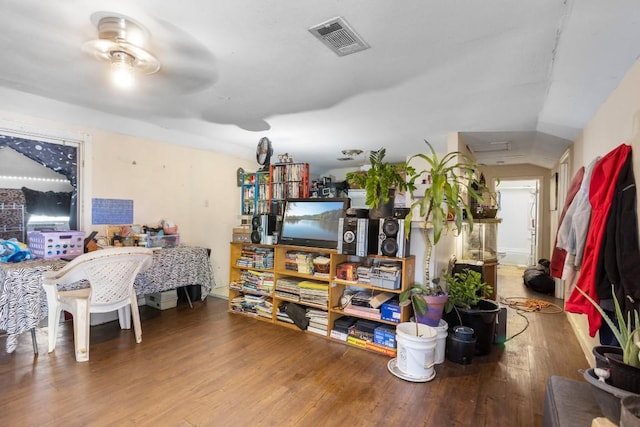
column 380, row 182
column 428, row 302
column 468, row 294
column 466, row 289
column 627, row 330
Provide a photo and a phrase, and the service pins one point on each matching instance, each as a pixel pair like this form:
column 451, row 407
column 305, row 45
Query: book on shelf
column 356, row 341
column 363, row 312
column 339, row 335
column 287, row 295
column 308, row 284
column 317, row 330
column 284, row 318
column 387, row 351
column 318, row 325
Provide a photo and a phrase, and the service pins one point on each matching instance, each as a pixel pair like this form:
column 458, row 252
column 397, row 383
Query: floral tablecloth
column 23, row 302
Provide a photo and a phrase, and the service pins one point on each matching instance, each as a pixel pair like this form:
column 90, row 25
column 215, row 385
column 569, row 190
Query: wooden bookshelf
column 287, row 181
column 295, row 263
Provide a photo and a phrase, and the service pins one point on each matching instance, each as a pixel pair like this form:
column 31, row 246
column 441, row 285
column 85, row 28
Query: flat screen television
column 312, row 222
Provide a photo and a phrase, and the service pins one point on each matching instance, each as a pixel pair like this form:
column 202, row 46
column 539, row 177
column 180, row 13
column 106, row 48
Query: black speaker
column 392, row 238
column 262, row 226
column 353, row 236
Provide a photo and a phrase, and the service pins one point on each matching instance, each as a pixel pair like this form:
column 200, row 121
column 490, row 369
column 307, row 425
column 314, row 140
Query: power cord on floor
column 529, row 305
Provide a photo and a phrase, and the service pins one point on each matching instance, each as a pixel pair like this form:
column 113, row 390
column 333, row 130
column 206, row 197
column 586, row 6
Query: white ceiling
column 531, row 73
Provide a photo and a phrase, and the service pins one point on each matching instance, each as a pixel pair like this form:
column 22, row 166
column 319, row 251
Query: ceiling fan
column 123, row 43
column 350, row 154
column 127, row 46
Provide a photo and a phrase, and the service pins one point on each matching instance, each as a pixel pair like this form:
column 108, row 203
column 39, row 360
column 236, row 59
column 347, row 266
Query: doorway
column 518, row 238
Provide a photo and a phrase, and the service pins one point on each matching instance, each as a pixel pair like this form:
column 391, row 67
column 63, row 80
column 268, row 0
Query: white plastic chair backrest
column 110, row 272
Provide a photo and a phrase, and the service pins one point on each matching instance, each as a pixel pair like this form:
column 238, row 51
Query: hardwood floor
column 206, row 367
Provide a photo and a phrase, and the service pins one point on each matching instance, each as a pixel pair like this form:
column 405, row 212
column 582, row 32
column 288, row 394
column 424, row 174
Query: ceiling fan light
column 122, row 72
column 120, row 42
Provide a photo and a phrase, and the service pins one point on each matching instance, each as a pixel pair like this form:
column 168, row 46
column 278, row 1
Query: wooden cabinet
column 287, row 181
column 264, row 279
column 255, row 193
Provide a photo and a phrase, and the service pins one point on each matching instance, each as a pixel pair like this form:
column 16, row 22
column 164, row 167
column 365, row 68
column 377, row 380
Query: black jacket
column 619, row 258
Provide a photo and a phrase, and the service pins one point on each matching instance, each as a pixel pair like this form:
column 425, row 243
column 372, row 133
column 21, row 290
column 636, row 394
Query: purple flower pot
column 435, row 306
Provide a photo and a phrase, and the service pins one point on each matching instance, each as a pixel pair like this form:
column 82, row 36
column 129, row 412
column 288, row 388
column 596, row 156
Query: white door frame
column 534, row 251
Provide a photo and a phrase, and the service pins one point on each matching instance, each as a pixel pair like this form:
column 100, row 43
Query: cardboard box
column 162, row 300
column 390, row 311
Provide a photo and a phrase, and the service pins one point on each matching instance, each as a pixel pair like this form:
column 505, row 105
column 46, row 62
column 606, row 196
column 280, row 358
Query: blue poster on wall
column 111, row 211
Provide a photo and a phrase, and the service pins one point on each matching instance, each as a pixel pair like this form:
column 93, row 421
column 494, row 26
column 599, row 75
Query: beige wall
column 194, row 188
column 616, row 122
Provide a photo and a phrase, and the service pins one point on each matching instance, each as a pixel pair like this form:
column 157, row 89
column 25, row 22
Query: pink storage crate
column 56, row 244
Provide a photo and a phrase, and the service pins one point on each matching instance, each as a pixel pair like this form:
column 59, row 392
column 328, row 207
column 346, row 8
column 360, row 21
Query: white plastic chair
column 110, row 273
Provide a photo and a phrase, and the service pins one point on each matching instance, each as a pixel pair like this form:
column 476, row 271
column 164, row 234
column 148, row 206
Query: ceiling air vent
column 339, row 36
column 491, row 147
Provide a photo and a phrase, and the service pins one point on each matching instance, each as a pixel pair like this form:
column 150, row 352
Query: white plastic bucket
column 416, row 354
column 441, row 342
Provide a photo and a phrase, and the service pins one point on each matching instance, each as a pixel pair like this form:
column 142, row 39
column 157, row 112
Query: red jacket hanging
column 601, row 190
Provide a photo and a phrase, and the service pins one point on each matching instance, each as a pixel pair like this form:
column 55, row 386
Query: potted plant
column 381, row 181
column 626, row 331
column 466, row 289
column 450, row 192
column 428, row 302
column 468, row 294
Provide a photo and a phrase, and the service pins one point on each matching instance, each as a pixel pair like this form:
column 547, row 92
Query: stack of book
column 263, row 258
column 288, row 288
column 367, row 304
column 252, row 304
column 364, row 274
column 299, row 261
column 256, row 281
column 264, row 308
column 341, row 327
column 363, row 330
column 318, row 321
column 282, row 314
column 314, row 293
column 254, row 257
column 358, row 310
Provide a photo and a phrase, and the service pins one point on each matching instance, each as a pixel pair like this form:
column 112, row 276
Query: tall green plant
column 381, row 177
column 625, row 332
column 449, row 192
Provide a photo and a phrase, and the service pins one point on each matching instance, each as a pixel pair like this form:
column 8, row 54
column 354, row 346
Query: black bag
column 537, row 278
column 298, row 315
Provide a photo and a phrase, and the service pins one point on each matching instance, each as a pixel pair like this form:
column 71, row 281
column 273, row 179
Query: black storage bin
column 194, row 292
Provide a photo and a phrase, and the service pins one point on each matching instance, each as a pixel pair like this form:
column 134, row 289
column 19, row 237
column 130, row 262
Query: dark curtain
column 59, row 158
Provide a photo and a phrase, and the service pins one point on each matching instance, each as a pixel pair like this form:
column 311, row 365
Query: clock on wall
column 264, row 151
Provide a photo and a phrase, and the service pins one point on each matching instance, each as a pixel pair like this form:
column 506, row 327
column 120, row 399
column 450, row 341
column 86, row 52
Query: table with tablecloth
column 23, row 302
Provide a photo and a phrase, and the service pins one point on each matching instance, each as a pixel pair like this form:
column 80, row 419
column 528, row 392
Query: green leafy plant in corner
column 380, row 178
column 626, row 332
column 465, row 288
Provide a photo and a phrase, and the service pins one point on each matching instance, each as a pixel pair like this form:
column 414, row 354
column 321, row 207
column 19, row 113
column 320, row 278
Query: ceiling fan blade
column 187, row 64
